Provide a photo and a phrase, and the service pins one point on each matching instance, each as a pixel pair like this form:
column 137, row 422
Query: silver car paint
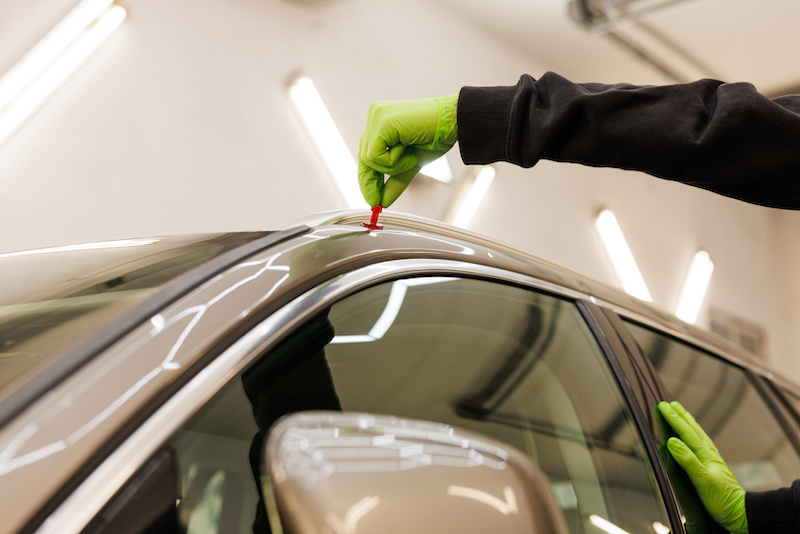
column 47, row 445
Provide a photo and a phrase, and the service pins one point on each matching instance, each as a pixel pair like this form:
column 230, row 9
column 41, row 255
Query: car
column 329, row 377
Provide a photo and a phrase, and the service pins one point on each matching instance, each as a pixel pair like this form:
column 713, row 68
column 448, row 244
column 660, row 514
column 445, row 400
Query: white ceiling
column 732, row 40
column 735, row 40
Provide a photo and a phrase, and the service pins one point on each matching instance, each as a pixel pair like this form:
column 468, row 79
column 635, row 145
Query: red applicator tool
column 373, row 222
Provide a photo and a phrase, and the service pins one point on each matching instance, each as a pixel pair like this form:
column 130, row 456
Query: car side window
column 511, row 363
column 792, row 398
column 728, row 406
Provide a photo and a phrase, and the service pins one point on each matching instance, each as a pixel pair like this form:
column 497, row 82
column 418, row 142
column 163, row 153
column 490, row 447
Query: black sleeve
column 724, row 137
column 774, row 512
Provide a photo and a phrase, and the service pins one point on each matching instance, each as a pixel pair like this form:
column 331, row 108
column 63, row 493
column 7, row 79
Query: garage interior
column 182, row 121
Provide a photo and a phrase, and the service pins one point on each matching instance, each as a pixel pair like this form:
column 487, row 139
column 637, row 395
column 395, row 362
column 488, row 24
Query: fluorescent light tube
column 694, row 290
column 621, row 256
column 49, row 63
column 474, row 197
column 438, row 169
column 328, row 140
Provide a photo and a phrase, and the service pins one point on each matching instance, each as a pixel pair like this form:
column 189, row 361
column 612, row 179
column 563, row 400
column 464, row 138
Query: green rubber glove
column 698, row 521
column 714, row 481
column 399, row 139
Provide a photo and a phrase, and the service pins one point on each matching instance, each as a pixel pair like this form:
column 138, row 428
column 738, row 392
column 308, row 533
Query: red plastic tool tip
column 373, row 222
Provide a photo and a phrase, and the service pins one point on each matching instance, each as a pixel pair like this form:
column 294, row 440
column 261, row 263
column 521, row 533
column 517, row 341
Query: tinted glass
column 510, row 363
column 49, row 300
column 728, row 407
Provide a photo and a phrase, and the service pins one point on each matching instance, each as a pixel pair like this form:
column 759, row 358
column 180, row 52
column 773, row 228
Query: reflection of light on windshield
column 84, row 246
column 8, row 464
column 21, row 461
column 507, row 507
column 605, row 525
column 353, row 515
column 660, row 528
column 390, row 312
column 199, row 311
column 113, row 407
column 8, row 461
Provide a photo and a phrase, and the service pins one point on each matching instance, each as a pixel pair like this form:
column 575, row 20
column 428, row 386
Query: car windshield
column 52, row 298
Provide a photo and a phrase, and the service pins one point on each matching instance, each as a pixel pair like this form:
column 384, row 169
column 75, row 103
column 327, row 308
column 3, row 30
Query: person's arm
column 723, row 137
column 774, row 512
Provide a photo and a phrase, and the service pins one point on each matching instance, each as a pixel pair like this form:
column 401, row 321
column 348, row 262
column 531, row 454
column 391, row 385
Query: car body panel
column 83, row 439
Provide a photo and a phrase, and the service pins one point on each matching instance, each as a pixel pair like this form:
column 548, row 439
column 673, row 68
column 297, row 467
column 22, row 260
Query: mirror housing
column 355, row 472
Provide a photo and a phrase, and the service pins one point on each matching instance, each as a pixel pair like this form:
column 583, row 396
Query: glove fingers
column 404, row 163
column 388, row 159
column 684, row 428
column 375, row 150
column 371, row 183
column 384, row 154
column 686, row 459
column 692, row 422
column 396, row 184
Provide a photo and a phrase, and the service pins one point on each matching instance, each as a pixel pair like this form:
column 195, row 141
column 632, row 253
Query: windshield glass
column 52, row 298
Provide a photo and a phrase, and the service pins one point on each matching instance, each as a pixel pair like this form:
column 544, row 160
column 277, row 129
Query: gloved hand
column 399, row 139
column 698, row 521
column 722, row 496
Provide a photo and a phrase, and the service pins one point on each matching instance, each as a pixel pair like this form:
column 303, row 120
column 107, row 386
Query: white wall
column 180, row 123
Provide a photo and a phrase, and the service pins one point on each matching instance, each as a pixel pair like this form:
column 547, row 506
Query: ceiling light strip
column 330, row 143
column 621, row 256
column 694, row 290
column 438, row 169
column 26, row 86
column 474, row 197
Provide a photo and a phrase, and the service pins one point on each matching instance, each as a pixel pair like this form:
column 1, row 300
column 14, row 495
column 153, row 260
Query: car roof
column 515, row 259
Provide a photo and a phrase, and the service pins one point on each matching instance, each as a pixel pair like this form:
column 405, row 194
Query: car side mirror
column 355, row 472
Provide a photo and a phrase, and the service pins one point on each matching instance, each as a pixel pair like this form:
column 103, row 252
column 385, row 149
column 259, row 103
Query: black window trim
column 626, row 368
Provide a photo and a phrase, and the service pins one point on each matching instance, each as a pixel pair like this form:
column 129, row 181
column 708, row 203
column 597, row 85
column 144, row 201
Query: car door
column 483, row 349
column 733, row 404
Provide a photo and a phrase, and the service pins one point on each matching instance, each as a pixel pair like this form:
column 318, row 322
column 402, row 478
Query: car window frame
column 763, row 381
column 88, row 500
column 637, row 381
